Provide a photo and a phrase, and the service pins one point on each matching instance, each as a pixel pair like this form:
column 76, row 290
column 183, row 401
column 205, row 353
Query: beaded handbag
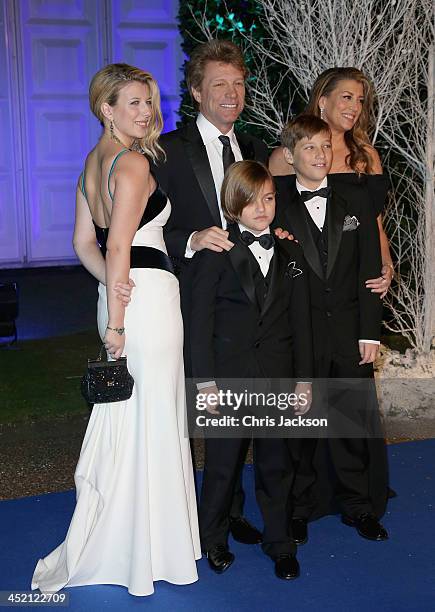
column 107, row 381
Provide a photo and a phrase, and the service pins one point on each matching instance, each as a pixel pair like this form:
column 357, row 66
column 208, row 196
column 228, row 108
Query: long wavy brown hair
column 105, row 87
column 357, row 138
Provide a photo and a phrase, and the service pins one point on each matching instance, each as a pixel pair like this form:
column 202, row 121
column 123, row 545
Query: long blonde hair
column 357, row 138
column 105, row 87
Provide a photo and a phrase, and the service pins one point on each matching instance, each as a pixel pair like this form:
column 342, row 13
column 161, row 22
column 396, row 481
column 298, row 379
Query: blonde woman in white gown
column 135, row 520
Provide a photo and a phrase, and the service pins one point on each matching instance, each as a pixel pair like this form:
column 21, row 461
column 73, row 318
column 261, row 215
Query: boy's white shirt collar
column 263, row 256
column 243, row 228
column 301, row 187
column 209, row 132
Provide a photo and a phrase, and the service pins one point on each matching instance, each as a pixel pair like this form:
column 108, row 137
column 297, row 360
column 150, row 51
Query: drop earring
column 322, row 114
column 114, row 137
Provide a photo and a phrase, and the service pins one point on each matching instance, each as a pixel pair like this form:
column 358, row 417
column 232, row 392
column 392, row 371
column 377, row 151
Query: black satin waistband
column 149, row 257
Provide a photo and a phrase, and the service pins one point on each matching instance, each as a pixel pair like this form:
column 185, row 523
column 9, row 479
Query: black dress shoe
column 243, row 532
column 367, row 525
column 299, row 530
column 219, row 558
column 287, row 567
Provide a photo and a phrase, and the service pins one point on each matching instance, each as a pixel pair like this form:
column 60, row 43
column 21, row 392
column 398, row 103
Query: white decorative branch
column 392, row 41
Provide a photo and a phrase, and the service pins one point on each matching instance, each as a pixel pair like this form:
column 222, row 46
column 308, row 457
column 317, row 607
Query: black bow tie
column 308, row 195
column 266, row 240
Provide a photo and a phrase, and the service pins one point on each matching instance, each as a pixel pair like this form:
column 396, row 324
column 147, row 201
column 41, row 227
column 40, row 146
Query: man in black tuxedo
column 192, row 174
column 340, row 241
column 250, row 320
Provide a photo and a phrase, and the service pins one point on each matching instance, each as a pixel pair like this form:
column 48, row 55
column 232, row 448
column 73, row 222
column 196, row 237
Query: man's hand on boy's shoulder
column 213, row 238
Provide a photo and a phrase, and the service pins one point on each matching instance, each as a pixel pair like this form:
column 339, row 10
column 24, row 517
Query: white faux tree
column 392, row 41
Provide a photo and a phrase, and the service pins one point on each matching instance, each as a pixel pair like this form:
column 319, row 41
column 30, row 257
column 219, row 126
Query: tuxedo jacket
column 239, row 332
column 187, row 179
column 343, row 309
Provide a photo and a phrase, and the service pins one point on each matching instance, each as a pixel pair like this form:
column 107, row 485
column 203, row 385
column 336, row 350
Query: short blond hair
column 242, row 183
column 105, row 87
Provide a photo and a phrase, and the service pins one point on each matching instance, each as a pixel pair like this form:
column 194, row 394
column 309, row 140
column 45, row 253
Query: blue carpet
column 339, row 570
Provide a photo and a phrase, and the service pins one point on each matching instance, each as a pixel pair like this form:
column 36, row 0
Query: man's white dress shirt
column 210, row 137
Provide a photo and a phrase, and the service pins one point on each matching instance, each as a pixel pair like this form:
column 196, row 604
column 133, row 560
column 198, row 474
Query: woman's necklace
column 115, row 138
column 135, row 145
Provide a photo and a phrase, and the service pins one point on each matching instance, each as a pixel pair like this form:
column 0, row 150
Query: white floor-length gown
column 135, row 521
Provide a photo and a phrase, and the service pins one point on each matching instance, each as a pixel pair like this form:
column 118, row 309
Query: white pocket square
column 350, row 223
column 292, row 270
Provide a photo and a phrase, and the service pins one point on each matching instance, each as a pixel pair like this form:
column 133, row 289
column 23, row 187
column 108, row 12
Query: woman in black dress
column 343, row 97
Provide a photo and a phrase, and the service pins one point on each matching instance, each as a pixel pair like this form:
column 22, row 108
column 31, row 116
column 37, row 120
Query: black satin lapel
column 197, row 154
column 277, row 263
column 335, row 213
column 299, row 223
column 246, row 146
column 239, row 257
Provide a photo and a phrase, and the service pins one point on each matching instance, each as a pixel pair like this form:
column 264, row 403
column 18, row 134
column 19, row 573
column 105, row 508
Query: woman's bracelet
column 389, row 265
column 118, row 330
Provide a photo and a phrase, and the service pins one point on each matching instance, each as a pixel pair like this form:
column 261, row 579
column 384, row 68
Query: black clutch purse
column 107, row 381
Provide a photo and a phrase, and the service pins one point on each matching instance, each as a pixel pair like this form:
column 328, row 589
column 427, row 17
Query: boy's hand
column 209, row 392
column 123, row 291
column 368, row 352
column 282, row 233
column 305, row 397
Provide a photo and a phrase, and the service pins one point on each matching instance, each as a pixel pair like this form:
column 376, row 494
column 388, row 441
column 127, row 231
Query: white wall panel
column 12, row 229
column 50, row 214
column 144, row 33
column 60, row 136
column 59, row 50
column 49, row 50
column 160, row 12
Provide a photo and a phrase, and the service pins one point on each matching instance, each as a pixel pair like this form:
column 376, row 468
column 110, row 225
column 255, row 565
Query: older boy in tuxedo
column 250, row 319
column 340, row 242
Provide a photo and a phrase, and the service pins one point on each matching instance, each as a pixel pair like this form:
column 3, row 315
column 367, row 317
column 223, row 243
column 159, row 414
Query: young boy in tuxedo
column 340, row 241
column 250, row 319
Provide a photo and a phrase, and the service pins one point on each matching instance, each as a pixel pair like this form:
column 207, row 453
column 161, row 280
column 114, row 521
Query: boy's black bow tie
column 308, row 195
column 266, row 240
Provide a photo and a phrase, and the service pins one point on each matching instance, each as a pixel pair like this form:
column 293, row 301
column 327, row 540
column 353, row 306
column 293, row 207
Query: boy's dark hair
column 215, row 50
column 242, row 183
column 303, row 126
